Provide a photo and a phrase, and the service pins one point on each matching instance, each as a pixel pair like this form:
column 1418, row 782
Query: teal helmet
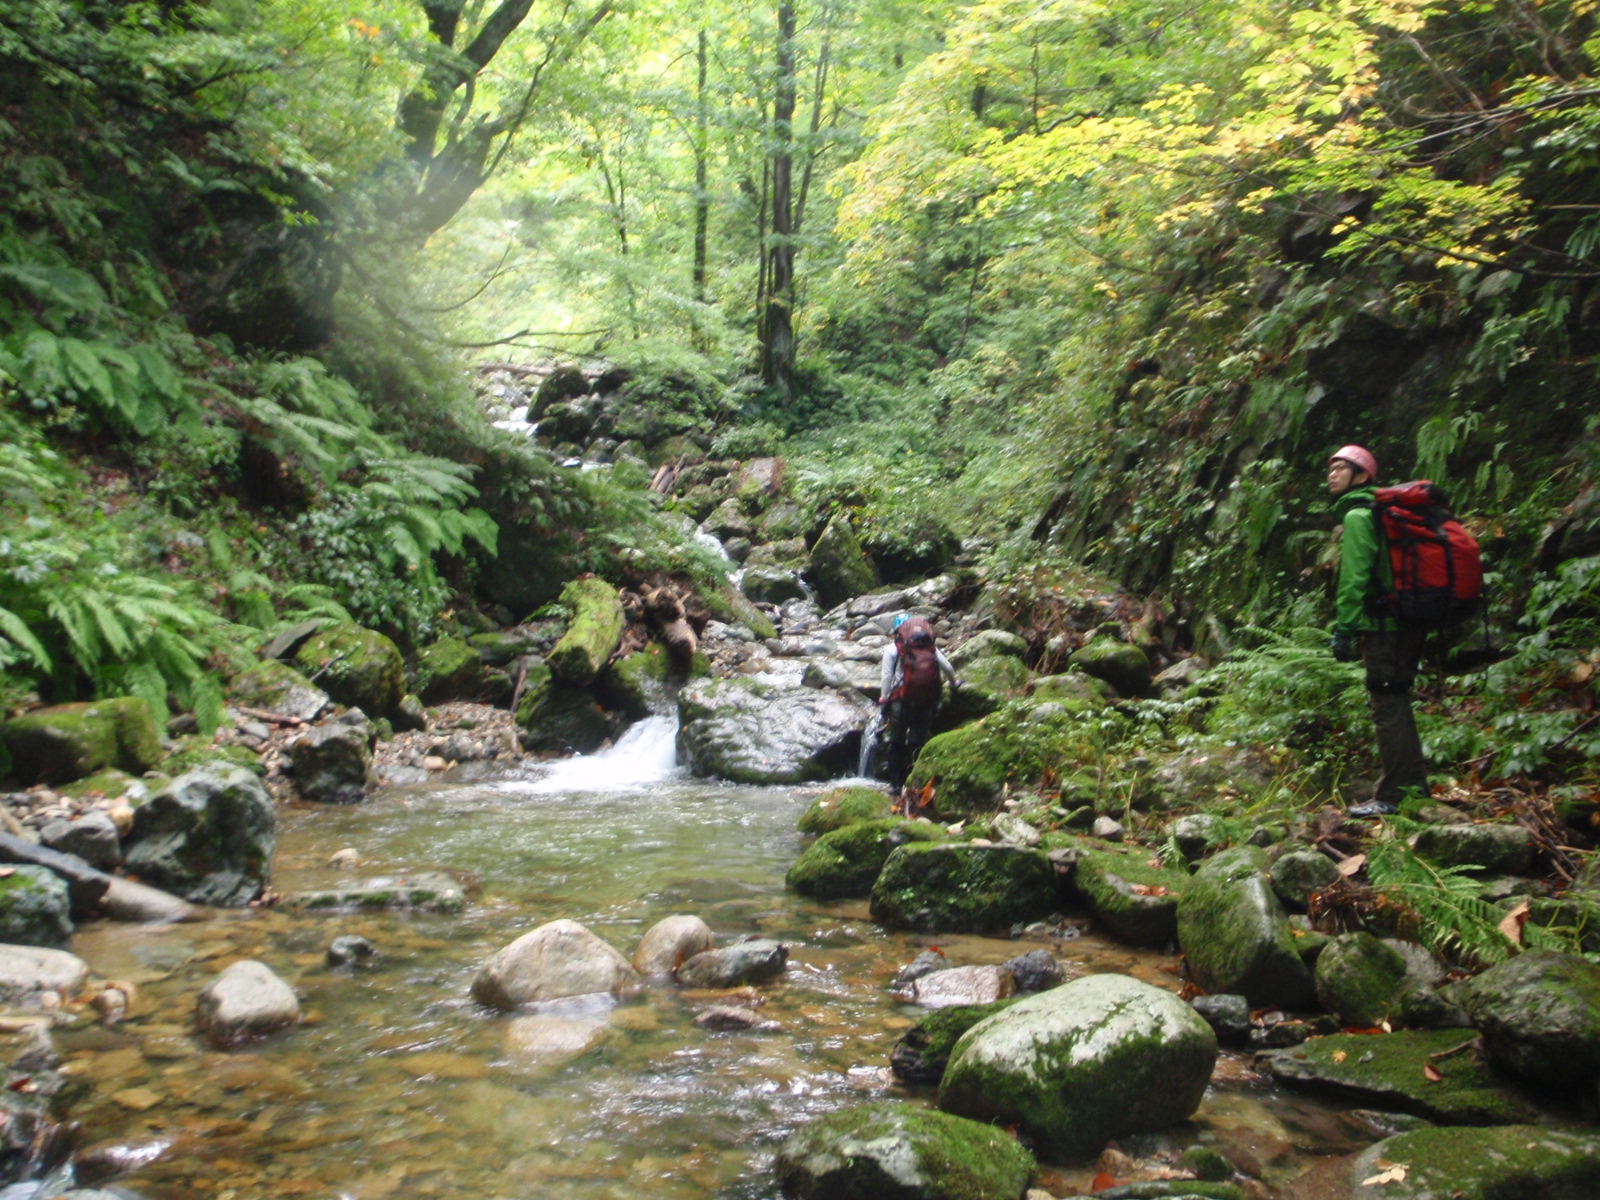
column 899, row 621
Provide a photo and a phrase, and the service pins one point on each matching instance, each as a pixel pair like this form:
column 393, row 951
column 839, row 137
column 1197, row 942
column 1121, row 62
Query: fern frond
column 15, row 630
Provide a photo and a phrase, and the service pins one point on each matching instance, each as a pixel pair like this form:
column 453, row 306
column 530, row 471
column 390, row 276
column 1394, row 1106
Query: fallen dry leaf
column 1513, row 922
column 1431, row 1073
column 1349, row 866
column 1339, row 1056
column 1393, row 1173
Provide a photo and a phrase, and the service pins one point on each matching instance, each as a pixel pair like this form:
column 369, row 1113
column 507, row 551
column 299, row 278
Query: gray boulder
column 35, row 909
column 552, row 962
column 92, row 837
column 131, row 901
column 208, row 836
column 1539, row 1014
column 1124, row 666
column 1236, row 935
column 756, row 960
column 669, row 942
column 988, row 643
column 276, row 687
column 29, row 973
column 1138, row 903
column 839, row 566
column 1505, row 849
column 246, row 1001
column 749, row 731
column 1197, row 835
column 331, row 763
column 771, row 585
column 1094, row 1059
column 895, row 1151
column 85, row 885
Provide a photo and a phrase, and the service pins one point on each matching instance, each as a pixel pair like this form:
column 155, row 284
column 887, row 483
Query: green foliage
column 1445, row 903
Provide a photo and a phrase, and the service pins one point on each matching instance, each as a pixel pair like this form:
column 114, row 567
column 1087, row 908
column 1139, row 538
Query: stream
column 398, row 1084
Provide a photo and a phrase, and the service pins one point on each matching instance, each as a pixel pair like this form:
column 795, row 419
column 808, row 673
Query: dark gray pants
column 908, row 726
column 1391, row 660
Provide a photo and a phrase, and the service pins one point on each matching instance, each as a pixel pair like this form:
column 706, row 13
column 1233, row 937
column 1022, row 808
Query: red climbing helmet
column 1358, row 457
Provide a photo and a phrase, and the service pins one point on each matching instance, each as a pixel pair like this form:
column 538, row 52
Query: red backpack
column 1436, row 563
column 919, row 662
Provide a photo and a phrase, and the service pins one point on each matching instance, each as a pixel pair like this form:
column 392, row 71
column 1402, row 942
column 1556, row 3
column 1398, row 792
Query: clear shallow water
column 397, row 1084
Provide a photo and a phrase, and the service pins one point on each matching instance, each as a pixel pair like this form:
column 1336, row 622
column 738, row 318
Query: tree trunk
column 702, row 199
column 777, row 323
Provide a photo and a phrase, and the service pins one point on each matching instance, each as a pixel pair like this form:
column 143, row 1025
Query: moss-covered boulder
column 358, row 667
column 35, row 908
column 989, row 643
column 842, row 806
column 846, row 861
column 1136, row 901
column 986, row 684
column 68, row 741
column 839, row 567
column 1539, row 1014
column 1506, row 849
column 923, row 1051
column 1122, row 665
column 593, row 632
column 449, row 669
column 273, row 686
column 1358, row 979
column 558, row 719
column 1299, row 875
column 208, row 836
column 1094, row 1059
column 771, row 585
column 1012, row 749
column 1512, row 1162
column 1071, row 688
column 888, row 1149
column 1235, row 934
column 961, row 887
column 733, row 607
column 629, row 684
column 1391, row 1072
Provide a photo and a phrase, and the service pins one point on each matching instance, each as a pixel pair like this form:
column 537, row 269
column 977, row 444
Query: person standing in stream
column 909, row 688
column 1390, row 649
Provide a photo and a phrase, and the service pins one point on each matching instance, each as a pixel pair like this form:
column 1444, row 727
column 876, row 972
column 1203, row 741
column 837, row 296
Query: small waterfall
column 646, row 753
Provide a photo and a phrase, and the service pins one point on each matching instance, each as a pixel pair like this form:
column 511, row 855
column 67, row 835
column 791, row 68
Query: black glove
column 1345, row 646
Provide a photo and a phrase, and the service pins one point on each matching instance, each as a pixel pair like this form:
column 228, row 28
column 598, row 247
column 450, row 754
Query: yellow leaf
column 1392, row 1173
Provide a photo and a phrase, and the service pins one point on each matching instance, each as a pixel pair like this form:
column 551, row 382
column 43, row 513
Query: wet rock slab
column 417, row 893
column 1390, row 1071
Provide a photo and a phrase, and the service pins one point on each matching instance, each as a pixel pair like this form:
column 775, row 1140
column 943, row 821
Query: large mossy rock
column 559, row 719
column 842, row 806
column 593, row 633
column 1390, row 1072
column 276, row 687
column 68, row 741
column 35, row 909
column 1122, row 665
column 894, row 1151
column 1235, row 934
column 962, row 887
column 1505, row 849
column 356, row 666
column 846, row 861
column 331, row 763
column 1094, row 1059
column 449, row 669
column 971, row 767
column 839, row 566
column 1511, row 1162
column 1137, row 902
column 1539, row 1014
column 207, row 836
column 1359, row 979
column 923, row 1051
column 748, row 731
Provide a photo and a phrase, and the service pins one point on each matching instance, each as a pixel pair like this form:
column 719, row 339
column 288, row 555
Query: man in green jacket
column 1389, row 649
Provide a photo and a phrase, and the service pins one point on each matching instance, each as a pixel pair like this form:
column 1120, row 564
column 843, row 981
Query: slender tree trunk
column 702, row 198
column 777, row 324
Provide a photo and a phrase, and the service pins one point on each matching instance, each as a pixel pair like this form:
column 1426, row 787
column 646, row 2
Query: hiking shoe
column 1374, row 808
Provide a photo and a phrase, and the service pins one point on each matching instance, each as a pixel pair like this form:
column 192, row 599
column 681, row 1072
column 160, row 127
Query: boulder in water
column 553, row 961
column 750, row 731
column 755, row 960
column 1093, row 1059
column 669, row 943
column 246, row 1001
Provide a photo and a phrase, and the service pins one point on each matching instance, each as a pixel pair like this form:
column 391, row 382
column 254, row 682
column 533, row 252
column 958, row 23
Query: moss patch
column 844, row 806
column 963, row 888
column 847, row 861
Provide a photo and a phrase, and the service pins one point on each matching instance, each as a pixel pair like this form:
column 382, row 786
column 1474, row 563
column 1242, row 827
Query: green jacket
column 1363, row 564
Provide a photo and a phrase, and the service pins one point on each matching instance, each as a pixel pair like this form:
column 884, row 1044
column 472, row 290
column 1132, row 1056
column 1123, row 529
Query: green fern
column 1447, row 902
